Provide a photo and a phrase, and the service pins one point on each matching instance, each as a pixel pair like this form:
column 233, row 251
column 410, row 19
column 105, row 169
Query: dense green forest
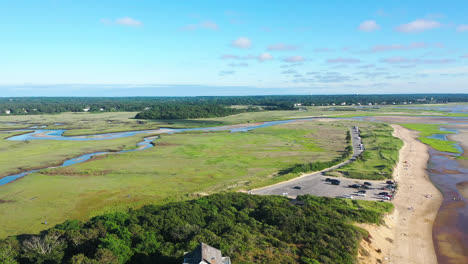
column 248, row 228
column 188, row 111
column 41, row 105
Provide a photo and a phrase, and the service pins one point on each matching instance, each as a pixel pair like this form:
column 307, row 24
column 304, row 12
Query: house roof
column 204, row 253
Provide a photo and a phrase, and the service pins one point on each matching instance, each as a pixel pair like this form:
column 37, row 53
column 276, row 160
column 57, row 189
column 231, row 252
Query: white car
column 346, row 196
column 360, row 194
column 383, row 197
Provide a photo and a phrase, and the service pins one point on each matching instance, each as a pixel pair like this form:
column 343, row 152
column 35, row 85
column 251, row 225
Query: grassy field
column 427, row 130
column 93, row 123
column 18, row 156
column 181, row 166
column 378, row 159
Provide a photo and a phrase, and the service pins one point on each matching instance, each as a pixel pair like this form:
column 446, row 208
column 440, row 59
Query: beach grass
column 379, row 157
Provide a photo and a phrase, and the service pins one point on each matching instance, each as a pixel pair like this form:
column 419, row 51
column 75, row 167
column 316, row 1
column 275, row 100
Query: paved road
column 315, row 183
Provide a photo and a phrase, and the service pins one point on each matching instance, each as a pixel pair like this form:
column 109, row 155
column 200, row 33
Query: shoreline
column 406, row 235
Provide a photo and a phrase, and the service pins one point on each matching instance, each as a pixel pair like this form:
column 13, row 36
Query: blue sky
column 164, row 48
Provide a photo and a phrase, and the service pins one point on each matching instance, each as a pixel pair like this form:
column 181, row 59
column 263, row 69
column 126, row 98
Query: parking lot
column 316, row 184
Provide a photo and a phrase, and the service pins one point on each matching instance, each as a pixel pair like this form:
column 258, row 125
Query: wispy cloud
column 223, row 73
column 124, row 21
column 403, row 60
column 282, row 46
column 241, row 64
column 202, row 25
column 414, row 45
column 344, row 60
column 128, row 21
column 368, row 26
column 262, row 57
column 294, row 59
column 462, row 28
column 417, row 26
column 265, row 57
column 242, row 43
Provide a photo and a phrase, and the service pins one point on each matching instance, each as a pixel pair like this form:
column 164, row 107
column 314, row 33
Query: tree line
column 48, row 105
column 247, row 228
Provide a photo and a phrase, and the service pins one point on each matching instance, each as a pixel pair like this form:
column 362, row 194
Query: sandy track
column 406, row 237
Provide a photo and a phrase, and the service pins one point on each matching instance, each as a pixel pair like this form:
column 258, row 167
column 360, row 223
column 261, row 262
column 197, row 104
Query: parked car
column 297, row 187
column 389, row 182
column 383, row 193
column 383, row 197
column 354, row 186
column 335, row 182
column 368, row 183
column 364, row 187
column 328, row 179
column 362, row 191
column 347, row 196
column 360, row 194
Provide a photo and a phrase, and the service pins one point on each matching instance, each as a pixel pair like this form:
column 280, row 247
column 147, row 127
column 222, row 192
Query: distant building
column 343, row 103
column 205, row 254
column 86, row 109
column 7, row 112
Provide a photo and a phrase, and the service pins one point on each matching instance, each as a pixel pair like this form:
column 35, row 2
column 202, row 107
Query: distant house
column 86, row 109
column 205, row 254
column 7, row 112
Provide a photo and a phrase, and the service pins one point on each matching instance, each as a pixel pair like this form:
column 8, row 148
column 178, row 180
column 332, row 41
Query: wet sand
column 406, row 236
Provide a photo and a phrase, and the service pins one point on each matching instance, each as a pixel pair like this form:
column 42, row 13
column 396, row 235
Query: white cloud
column 282, row 46
column 368, row 26
column 242, row 43
column 419, row 25
column 128, row 21
column 294, row 59
column 462, row 28
column 265, row 57
column 343, row 60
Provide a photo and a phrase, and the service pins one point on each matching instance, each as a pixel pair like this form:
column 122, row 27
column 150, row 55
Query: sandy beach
column 406, row 236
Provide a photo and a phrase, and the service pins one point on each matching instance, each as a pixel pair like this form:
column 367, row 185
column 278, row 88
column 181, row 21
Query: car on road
column 360, row 194
column 364, row 187
column 362, row 191
column 354, row 186
column 328, row 179
column 383, row 193
column 368, row 183
column 297, row 187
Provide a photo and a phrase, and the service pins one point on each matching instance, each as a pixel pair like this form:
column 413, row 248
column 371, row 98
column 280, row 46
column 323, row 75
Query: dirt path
column 406, row 237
